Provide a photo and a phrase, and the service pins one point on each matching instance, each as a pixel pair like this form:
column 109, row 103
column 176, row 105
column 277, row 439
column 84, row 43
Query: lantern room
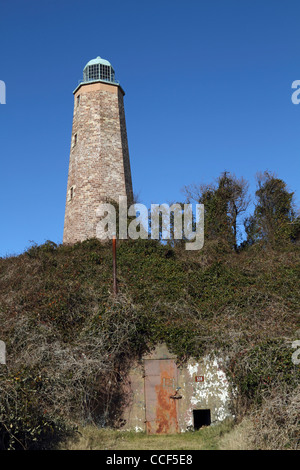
column 99, row 70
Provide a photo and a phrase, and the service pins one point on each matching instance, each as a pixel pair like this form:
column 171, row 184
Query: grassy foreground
column 220, row 437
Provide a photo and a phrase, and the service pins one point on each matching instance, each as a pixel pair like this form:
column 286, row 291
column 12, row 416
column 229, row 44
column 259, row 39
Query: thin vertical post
column 114, row 246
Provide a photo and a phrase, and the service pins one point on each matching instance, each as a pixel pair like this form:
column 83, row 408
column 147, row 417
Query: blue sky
column 208, row 89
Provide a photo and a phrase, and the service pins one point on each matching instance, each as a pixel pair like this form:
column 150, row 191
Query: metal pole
column 114, row 241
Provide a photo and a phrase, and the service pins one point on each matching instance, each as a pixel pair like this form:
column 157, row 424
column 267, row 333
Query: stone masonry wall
column 99, row 167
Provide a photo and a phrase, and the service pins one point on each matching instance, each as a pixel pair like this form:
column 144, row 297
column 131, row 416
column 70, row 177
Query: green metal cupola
column 99, row 70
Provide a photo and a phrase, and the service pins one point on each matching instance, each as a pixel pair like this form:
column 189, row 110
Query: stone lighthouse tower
column 99, row 167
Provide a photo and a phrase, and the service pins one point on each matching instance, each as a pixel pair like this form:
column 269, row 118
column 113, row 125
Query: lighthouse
column 99, row 165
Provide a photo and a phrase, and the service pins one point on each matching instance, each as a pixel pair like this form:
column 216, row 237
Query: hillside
column 69, row 340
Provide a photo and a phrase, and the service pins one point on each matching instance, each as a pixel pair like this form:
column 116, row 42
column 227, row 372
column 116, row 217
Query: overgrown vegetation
column 70, row 342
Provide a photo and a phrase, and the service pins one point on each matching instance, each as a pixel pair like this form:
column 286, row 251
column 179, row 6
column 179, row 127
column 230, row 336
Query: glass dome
column 99, row 70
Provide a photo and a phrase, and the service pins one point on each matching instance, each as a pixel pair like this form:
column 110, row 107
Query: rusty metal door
column 160, row 385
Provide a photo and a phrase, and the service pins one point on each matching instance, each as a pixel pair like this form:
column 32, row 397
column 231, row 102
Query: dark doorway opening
column 201, row 418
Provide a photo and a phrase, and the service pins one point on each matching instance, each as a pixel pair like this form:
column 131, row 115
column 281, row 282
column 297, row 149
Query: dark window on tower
column 75, row 139
column 78, row 100
column 71, row 193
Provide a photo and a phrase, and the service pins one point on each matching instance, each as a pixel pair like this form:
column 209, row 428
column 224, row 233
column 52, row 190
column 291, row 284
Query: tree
column 251, row 230
column 234, row 192
column 224, row 202
column 275, row 218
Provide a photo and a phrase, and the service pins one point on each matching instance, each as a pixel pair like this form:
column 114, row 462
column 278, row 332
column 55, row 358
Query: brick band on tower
column 99, row 167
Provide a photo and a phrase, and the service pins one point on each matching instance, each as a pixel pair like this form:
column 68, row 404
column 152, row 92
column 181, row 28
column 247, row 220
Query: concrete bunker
column 165, row 398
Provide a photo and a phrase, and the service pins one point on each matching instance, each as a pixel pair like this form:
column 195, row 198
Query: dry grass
column 277, row 422
column 238, row 438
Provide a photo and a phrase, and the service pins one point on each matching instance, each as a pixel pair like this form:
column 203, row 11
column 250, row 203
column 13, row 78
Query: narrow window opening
column 201, row 418
column 75, row 139
column 78, row 100
column 71, row 193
